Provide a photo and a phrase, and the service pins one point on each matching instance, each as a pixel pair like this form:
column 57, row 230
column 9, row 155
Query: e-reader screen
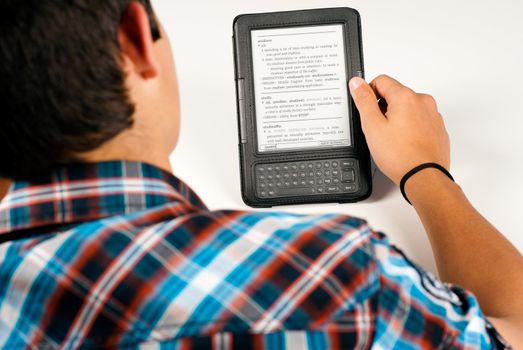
column 300, row 84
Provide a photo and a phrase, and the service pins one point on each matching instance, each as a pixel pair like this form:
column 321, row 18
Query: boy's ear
column 136, row 41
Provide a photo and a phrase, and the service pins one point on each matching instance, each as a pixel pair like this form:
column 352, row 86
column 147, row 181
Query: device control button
column 327, row 173
column 303, row 166
column 294, row 167
column 347, row 164
column 310, row 166
column 261, row 177
column 261, row 169
column 335, row 173
column 349, row 188
column 286, row 168
column 318, row 165
column 335, row 164
column 348, row 176
column 269, row 168
column 321, row 190
column 277, row 168
column 327, row 181
column 272, row 193
column 263, row 194
column 335, row 180
column 327, row 164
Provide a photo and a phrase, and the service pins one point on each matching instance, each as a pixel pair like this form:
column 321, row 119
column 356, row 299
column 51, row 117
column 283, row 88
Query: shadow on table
column 382, row 186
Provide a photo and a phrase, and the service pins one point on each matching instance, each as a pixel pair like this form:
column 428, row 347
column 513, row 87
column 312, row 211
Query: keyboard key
column 300, row 191
column 333, row 189
column 349, row 188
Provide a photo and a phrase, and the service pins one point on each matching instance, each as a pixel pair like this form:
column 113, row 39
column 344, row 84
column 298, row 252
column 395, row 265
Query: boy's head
column 81, row 79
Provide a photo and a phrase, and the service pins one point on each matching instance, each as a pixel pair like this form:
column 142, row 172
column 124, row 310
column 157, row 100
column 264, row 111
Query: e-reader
column 299, row 130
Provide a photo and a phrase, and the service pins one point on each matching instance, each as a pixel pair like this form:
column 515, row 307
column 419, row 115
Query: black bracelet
column 417, row 170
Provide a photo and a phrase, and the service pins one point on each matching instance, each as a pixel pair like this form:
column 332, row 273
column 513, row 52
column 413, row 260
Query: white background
column 467, row 54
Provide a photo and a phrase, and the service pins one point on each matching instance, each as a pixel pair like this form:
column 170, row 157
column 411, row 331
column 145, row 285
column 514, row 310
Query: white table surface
column 467, row 54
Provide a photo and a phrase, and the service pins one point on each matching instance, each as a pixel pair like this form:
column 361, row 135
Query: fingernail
column 355, row 83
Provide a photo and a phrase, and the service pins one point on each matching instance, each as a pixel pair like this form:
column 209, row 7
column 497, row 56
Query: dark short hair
column 62, row 89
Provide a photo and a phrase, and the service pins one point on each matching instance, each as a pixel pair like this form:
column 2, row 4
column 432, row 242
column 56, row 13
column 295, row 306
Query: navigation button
column 348, row 176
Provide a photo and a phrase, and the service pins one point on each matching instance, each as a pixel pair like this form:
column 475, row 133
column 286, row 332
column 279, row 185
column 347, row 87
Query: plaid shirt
column 123, row 255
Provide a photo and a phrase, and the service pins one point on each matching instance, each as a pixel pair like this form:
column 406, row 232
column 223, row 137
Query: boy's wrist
column 426, row 184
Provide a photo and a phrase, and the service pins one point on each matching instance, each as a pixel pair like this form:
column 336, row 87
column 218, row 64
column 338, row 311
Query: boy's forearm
column 468, row 250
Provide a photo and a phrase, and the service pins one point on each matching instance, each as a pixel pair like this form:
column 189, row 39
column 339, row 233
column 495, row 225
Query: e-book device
column 300, row 133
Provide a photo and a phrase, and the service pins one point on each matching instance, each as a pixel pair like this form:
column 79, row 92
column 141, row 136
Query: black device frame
column 246, row 106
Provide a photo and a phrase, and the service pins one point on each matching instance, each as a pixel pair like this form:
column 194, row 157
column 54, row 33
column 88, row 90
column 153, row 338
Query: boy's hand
column 403, row 130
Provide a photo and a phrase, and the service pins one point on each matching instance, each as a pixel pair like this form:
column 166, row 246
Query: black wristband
column 417, row 170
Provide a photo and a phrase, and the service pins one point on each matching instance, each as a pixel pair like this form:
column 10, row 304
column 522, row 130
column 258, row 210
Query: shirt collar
column 90, row 191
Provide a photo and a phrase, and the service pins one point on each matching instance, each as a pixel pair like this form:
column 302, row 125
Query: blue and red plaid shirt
column 124, row 255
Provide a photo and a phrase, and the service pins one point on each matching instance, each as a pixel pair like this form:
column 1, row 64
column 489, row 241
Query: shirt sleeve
column 416, row 305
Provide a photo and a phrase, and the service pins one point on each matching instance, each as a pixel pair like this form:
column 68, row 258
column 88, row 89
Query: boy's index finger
column 386, row 87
